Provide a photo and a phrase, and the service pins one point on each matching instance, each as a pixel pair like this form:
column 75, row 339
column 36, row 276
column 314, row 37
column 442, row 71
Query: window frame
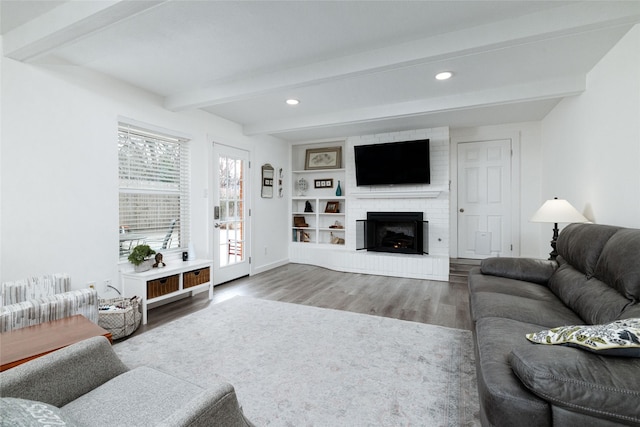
column 157, row 169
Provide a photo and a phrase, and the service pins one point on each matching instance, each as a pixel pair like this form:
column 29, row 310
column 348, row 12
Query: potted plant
column 139, row 257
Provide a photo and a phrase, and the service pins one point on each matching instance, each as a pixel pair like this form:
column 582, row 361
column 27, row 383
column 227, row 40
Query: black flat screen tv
column 405, row 162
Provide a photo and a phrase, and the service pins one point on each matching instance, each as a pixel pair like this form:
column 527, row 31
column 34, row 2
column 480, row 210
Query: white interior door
column 230, row 213
column 484, row 199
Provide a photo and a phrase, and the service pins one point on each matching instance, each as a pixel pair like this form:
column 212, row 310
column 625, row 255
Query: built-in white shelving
column 318, row 215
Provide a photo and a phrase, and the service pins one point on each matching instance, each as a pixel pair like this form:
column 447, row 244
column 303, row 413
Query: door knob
column 216, row 225
column 461, row 209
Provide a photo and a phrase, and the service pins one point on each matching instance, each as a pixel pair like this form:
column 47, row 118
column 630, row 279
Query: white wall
column 270, row 216
column 591, row 142
column 59, row 171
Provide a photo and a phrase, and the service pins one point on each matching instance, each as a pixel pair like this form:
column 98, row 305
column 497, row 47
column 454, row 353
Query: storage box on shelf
column 167, row 282
column 196, row 277
column 163, row 286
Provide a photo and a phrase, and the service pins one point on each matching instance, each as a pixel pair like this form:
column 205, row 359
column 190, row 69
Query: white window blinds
column 154, row 190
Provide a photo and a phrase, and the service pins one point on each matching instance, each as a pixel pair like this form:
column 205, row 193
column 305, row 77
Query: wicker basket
column 195, row 277
column 122, row 320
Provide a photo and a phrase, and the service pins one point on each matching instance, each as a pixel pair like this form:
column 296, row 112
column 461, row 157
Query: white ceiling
column 357, row 67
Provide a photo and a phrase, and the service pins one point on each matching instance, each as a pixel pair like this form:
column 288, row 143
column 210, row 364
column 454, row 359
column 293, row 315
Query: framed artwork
column 323, row 158
column 332, row 207
column 323, row 183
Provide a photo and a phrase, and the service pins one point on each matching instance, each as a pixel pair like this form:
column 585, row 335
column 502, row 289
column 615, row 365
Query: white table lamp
column 556, row 211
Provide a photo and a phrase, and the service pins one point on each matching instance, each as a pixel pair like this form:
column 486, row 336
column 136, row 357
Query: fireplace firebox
column 394, row 232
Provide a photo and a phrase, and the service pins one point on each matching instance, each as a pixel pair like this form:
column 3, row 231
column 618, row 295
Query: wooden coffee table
column 22, row 345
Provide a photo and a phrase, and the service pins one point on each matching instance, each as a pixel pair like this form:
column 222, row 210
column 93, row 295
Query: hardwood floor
column 426, row 301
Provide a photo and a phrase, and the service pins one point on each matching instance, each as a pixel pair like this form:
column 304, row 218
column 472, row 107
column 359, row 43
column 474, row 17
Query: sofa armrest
column 213, row 407
column 62, row 376
column 36, row 311
column 527, row 269
column 580, row 381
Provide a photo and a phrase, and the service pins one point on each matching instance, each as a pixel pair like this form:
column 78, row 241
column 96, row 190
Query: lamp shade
column 557, row 210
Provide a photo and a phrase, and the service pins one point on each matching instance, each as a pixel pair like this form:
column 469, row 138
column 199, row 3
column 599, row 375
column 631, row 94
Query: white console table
column 177, row 278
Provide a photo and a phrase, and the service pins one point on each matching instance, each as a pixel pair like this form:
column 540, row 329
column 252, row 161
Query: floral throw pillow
column 15, row 412
column 619, row 338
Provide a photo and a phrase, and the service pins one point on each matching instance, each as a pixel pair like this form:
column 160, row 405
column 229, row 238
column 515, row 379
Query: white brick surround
column 417, row 198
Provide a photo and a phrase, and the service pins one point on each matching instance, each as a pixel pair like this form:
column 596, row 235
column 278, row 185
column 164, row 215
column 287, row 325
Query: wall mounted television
column 405, row 162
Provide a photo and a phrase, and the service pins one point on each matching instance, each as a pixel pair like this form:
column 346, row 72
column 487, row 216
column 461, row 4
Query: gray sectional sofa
column 595, row 280
column 86, row 384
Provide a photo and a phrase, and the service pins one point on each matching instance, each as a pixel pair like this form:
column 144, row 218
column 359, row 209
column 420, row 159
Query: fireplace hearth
column 394, row 232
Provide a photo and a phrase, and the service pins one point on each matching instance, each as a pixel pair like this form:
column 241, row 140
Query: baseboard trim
column 267, row 267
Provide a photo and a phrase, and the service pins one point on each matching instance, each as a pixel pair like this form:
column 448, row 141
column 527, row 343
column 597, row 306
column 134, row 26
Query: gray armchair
column 44, row 298
column 92, row 387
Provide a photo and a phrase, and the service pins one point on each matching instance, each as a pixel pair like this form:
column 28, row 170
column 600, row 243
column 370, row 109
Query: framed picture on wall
column 323, row 158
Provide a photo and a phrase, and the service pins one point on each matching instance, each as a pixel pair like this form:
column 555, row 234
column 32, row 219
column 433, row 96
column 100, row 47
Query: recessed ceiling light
column 293, row 101
column 444, row 75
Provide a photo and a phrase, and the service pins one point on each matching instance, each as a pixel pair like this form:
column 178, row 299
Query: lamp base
column 554, row 253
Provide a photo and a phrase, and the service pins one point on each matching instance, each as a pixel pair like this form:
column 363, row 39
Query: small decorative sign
column 323, row 183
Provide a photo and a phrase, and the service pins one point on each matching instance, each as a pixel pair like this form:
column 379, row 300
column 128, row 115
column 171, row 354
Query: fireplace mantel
column 431, row 194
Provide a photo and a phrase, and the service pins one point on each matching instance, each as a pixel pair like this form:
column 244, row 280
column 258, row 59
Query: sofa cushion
column 619, row 264
column 143, row 396
column 632, row 310
column 479, row 282
column 580, row 245
column 498, row 388
column 594, row 301
column 544, row 313
column 30, row 413
column 570, row 417
column 619, row 338
column 580, row 380
column 526, row 269
column 214, row 407
column 59, row 377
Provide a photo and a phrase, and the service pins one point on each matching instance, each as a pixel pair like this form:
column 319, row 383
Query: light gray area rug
column 295, row 365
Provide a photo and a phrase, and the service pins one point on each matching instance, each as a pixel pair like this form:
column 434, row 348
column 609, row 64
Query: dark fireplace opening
column 396, row 239
column 395, row 232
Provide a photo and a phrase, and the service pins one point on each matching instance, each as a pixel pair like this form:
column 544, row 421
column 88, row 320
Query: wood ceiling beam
column 550, row 89
column 66, row 23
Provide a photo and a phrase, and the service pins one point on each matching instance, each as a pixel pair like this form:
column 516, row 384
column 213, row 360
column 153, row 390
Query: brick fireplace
column 430, row 199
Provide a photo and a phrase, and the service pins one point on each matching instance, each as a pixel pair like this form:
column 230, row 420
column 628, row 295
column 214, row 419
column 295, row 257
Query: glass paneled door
column 230, row 219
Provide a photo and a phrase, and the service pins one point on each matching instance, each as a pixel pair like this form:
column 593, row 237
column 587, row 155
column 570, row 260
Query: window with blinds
column 154, row 190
